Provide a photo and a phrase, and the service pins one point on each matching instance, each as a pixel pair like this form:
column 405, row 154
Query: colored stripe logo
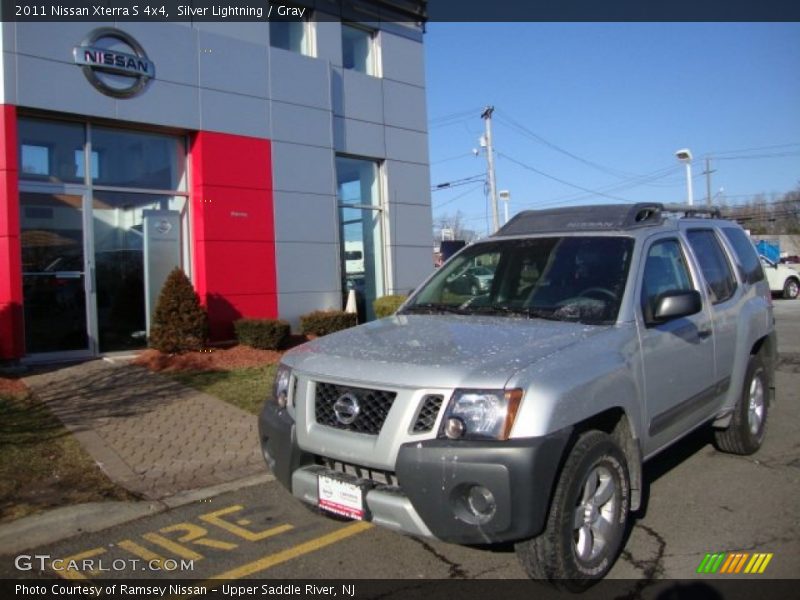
column 728, row 563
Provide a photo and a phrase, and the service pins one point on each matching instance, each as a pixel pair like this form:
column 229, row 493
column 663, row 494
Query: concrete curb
column 69, row 521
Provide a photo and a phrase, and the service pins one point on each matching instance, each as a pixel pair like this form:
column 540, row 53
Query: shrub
column 386, row 306
column 266, row 334
column 179, row 321
column 323, row 322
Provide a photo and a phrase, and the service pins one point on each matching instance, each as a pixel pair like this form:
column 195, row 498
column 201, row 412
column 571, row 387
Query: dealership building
column 279, row 164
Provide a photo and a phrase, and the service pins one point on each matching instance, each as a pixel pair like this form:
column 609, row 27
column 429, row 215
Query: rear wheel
column 747, row 429
column 791, row 288
column 588, row 517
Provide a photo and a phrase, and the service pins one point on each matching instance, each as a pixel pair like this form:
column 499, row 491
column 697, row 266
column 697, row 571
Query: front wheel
column 791, row 289
column 748, row 427
column 588, row 517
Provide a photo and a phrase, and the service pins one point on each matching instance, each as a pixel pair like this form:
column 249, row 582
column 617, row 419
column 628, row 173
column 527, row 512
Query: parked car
column 471, row 281
column 782, row 279
column 523, row 415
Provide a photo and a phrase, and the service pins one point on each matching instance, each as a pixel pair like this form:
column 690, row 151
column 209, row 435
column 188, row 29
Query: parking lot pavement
column 698, row 502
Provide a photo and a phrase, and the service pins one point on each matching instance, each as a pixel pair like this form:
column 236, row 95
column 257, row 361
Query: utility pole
column 708, row 173
column 486, row 115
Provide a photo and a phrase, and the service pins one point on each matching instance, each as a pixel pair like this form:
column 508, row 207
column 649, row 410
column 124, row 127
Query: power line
column 559, row 180
column 503, row 119
column 755, row 149
column 459, row 196
column 457, row 182
column 450, row 158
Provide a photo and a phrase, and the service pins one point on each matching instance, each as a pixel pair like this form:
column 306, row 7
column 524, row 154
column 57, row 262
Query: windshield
column 578, row 279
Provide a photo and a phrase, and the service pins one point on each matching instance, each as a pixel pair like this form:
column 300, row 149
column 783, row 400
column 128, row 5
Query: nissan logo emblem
column 346, row 408
column 114, row 72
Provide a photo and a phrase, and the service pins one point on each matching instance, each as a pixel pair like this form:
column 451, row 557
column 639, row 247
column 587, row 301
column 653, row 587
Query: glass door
column 53, row 272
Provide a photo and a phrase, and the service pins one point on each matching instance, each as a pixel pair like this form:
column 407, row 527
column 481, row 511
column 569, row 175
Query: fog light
column 481, row 502
column 454, row 428
column 282, row 399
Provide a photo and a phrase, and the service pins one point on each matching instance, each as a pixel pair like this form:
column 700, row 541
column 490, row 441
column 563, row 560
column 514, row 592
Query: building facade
column 280, row 164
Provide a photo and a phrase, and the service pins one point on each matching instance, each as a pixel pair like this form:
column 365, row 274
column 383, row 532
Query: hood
column 437, row 351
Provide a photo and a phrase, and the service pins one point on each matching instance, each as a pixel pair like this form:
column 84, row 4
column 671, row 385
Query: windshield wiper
column 530, row 312
column 431, row 308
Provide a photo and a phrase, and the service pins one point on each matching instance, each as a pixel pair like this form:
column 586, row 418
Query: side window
column 714, row 264
column 665, row 270
column 745, row 253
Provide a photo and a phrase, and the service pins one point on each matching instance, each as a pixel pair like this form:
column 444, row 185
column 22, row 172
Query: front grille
column 373, row 406
column 376, row 475
column 428, row 411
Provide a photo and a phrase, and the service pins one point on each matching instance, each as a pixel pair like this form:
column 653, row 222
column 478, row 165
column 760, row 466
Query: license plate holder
column 342, row 495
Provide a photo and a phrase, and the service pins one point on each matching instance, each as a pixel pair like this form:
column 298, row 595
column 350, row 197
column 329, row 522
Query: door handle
column 704, row 333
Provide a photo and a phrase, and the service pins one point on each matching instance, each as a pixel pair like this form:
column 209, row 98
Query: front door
column 54, row 273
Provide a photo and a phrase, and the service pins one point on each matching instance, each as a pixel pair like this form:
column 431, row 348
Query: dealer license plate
column 340, row 497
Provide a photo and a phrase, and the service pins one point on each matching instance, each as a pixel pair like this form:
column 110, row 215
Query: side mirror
column 673, row 305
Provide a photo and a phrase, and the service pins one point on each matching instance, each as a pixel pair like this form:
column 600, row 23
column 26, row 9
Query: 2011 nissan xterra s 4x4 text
column 522, row 410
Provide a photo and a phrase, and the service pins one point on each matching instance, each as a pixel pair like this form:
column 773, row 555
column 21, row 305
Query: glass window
column 360, row 220
column 580, row 279
column 291, row 35
column 358, row 49
column 745, row 253
column 713, row 263
column 47, row 150
column 665, row 270
column 79, row 164
column 139, row 160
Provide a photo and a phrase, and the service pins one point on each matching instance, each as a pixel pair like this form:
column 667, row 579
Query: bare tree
column 455, row 225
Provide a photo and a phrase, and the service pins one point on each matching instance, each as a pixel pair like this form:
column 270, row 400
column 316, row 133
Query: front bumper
column 464, row 492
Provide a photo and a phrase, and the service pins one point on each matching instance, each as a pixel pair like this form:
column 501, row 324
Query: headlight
column 280, row 388
column 481, row 414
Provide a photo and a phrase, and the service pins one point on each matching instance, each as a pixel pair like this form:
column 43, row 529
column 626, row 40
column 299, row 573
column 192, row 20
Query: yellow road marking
column 295, row 551
column 71, row 574
column 141, row 552
column 215, row 518
column 195, row 534
column 174, row 547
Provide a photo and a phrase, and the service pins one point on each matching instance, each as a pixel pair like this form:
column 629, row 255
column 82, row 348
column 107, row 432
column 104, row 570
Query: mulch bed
column 213, row 359
column 12, row 386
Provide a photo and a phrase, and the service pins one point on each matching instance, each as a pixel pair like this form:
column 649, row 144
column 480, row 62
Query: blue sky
column 619, row 98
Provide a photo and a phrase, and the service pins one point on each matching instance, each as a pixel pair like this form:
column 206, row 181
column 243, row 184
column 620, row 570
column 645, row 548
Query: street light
column 505, row 196
column 684, row 155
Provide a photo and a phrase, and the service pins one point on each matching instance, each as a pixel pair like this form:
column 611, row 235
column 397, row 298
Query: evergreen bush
column 179, row 321
column 386, row 306
column 323, row 322
column 265, row 334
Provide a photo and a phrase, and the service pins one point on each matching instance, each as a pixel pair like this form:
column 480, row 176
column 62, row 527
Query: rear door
column 677, row 356
column 724, row 294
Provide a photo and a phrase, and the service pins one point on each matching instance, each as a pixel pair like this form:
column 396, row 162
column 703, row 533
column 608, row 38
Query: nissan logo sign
column 346, row 408
column 112, row 71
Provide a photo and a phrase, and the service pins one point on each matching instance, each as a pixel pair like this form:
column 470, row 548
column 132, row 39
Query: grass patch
column 246, row 388
column 41, row 465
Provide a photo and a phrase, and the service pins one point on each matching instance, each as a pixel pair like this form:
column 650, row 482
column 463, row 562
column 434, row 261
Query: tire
column 747, row 429
column 791, row 288
column 593, row 491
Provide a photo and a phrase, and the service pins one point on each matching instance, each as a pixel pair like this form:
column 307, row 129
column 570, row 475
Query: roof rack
column 691, row 210
column 599, row 217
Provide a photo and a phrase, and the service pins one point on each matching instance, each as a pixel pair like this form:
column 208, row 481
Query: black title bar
column 411, row 11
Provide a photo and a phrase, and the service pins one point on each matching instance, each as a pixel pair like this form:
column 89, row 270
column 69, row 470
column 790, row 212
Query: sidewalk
column 149, row 434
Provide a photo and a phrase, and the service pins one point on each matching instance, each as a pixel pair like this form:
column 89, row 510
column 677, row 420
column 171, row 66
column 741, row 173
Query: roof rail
column 691, row 210
column 584, row 218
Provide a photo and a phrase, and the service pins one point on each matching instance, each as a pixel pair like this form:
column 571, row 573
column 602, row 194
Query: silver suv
column 522, row 411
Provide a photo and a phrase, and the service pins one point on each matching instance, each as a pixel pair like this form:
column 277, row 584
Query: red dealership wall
column 233, row 229
column 12, row 336
column 233, row 240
